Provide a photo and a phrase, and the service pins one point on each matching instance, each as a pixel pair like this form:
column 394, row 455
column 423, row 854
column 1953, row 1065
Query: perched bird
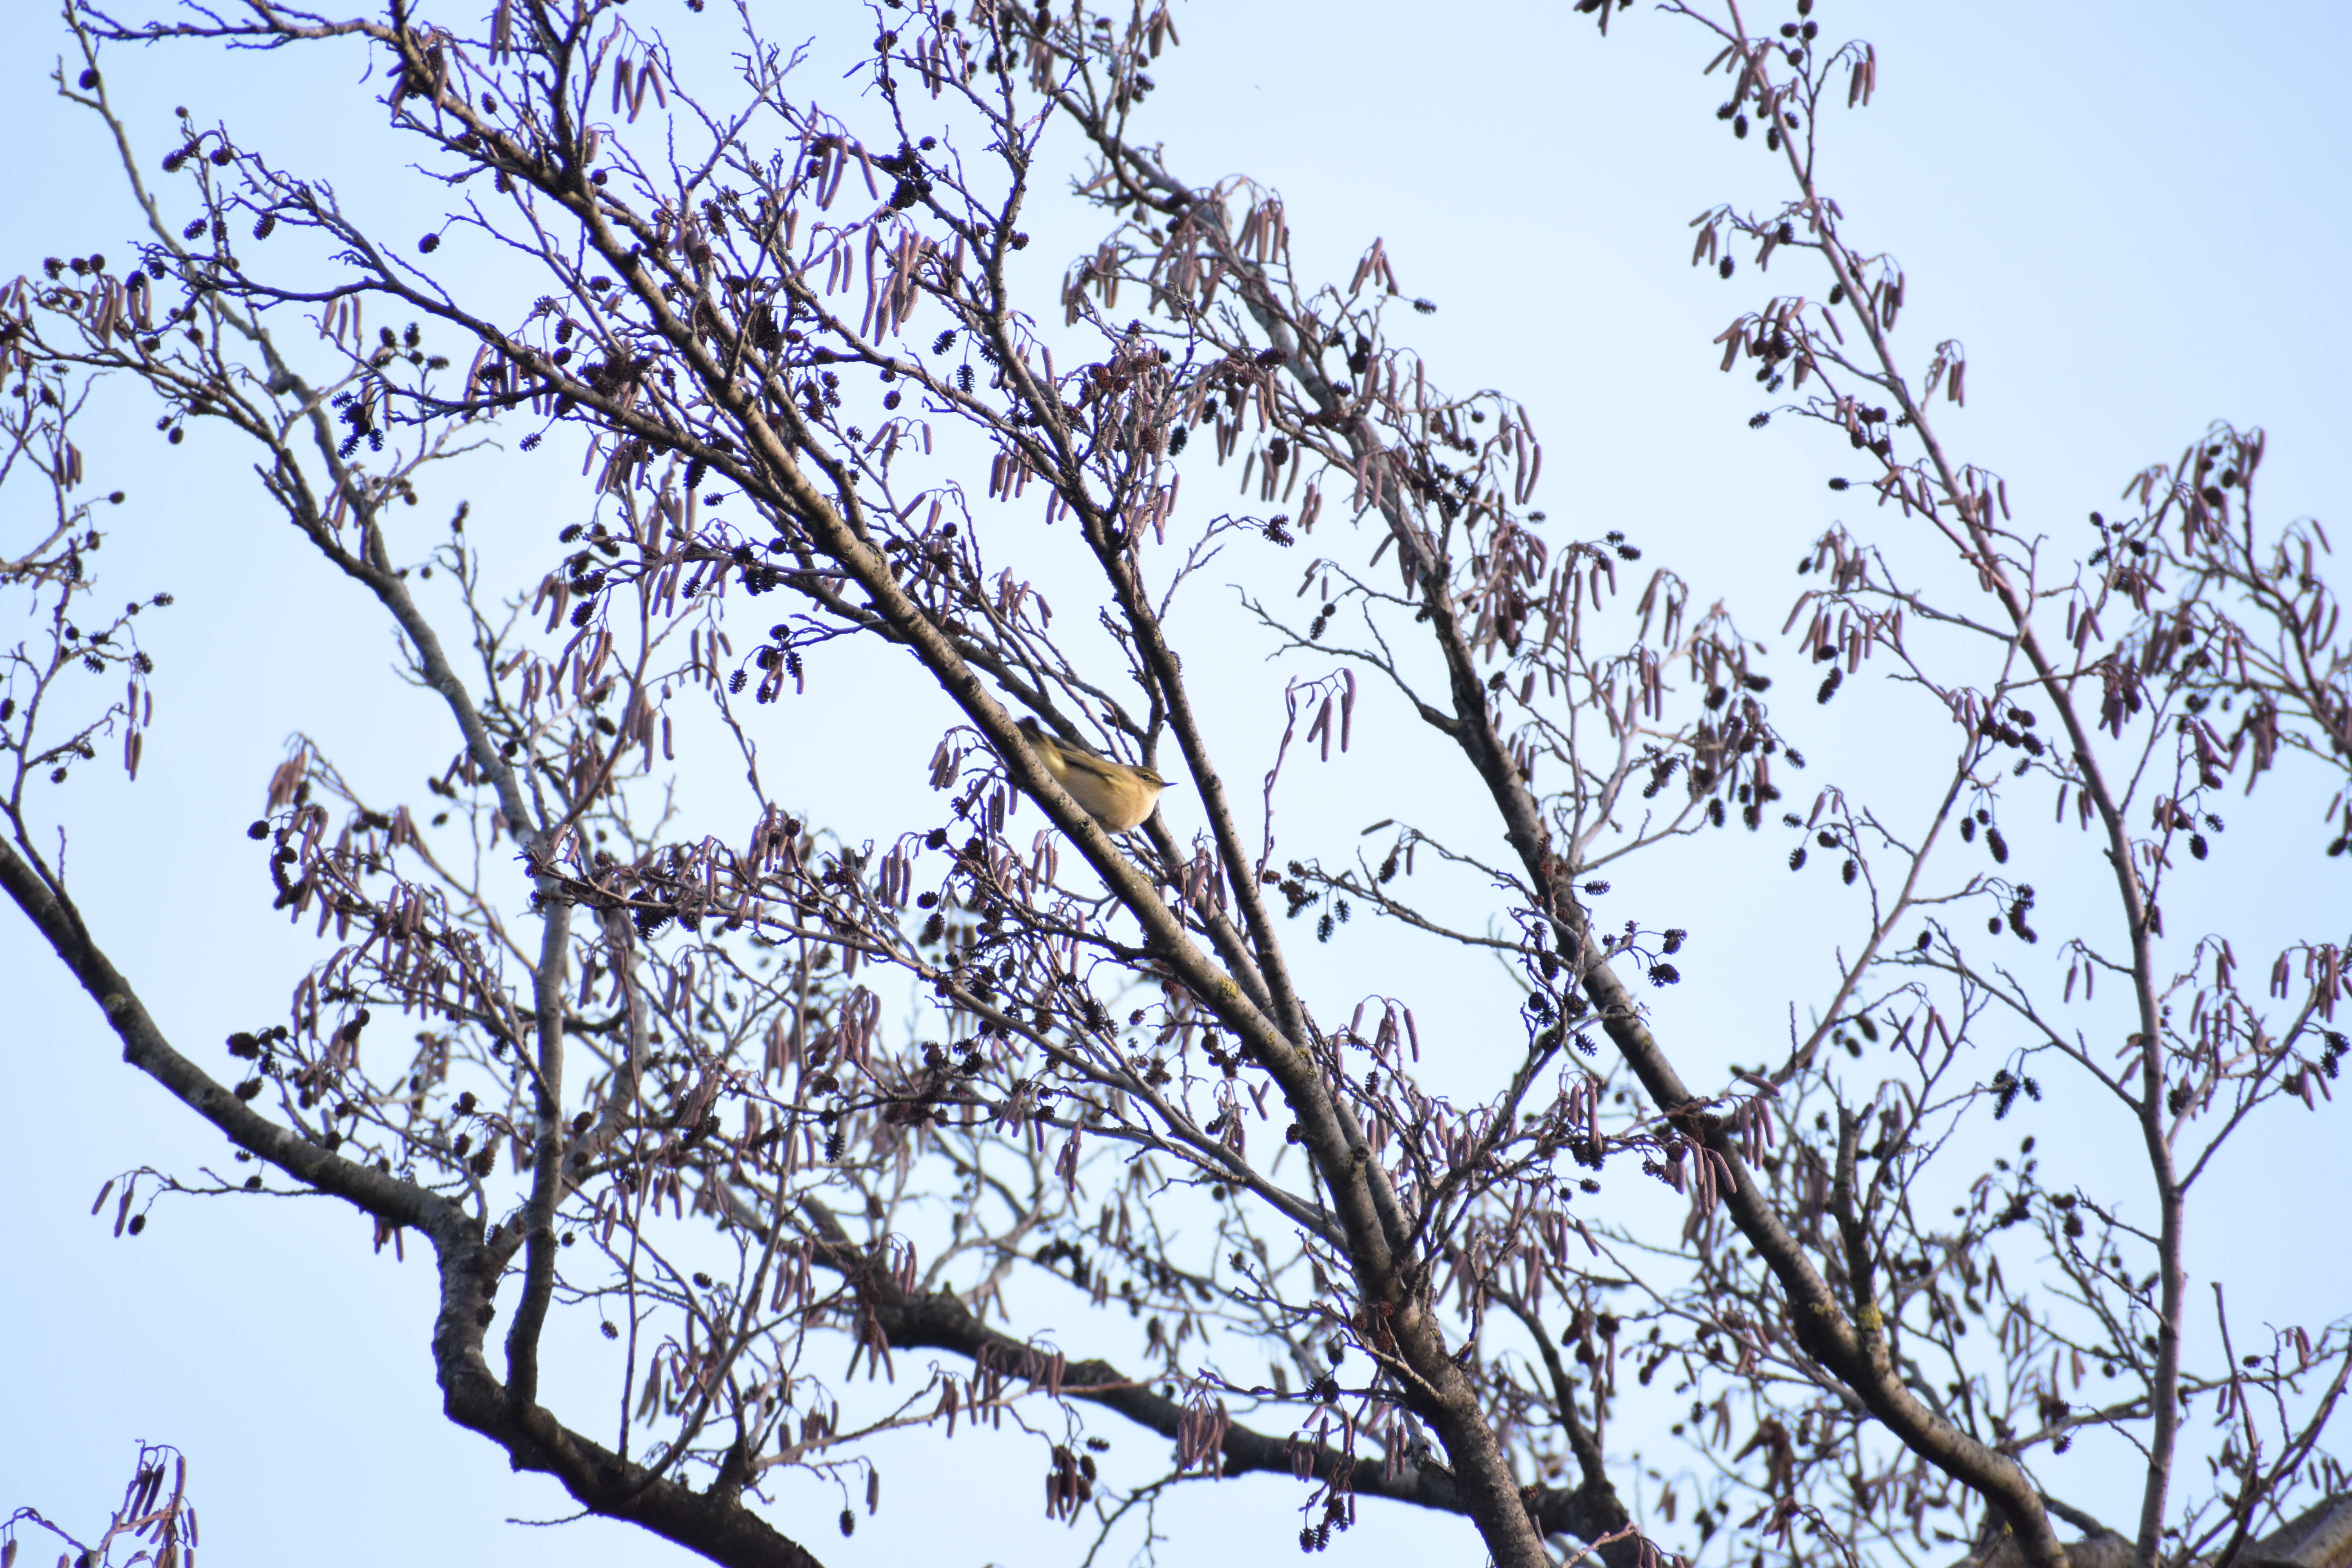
column 1115, row 793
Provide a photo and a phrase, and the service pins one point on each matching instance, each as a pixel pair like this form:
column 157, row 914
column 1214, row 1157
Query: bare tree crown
column 606, row 1060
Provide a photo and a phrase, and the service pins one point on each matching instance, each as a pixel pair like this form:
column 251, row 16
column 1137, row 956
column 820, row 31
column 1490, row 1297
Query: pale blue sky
column 2134, row 215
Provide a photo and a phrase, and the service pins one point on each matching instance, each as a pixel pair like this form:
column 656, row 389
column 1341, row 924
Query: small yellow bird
column 1115, row 793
